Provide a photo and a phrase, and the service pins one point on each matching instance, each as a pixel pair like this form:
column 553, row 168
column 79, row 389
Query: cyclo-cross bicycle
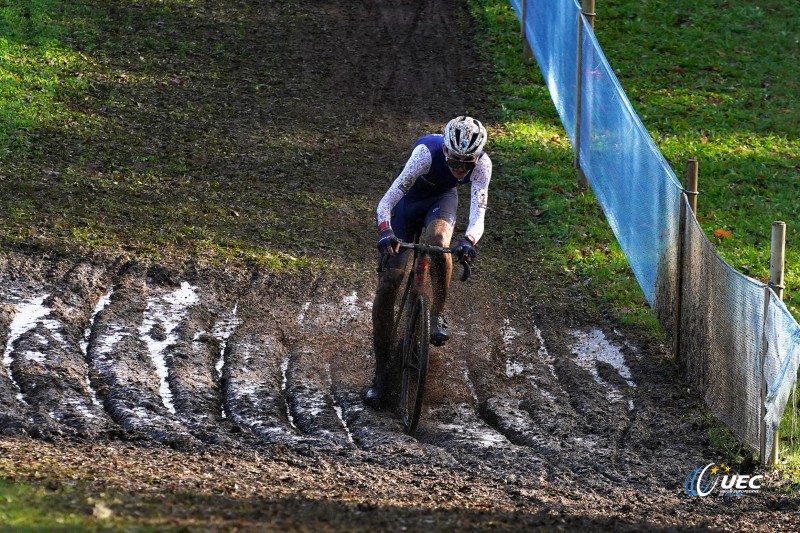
column 416, row 338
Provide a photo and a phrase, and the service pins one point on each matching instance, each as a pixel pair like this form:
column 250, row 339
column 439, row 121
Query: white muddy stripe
column 508, row 332
column 336, row 406
column 542, row 353
column 102, row 303
column 284, row 385
column 467, row 428
column 168, row 311
column 27, row 314
column 592, row 347
column 350, row 305
column 470, row 385
column 222, row 331
column 302, row 316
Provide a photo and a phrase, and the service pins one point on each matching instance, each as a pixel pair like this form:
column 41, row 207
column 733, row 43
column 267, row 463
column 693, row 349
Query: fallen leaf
column 101, row 511
column 722, row 234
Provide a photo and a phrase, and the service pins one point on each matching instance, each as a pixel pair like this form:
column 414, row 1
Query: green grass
column 715, row 81
column 29, row 508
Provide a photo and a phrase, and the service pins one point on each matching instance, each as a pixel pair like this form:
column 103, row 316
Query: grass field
column 730, row 103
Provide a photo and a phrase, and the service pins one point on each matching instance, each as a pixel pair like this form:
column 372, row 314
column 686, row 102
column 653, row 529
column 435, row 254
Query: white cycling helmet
column 464, row 136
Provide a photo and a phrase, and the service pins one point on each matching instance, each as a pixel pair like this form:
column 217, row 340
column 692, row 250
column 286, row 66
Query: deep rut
column 285, row 361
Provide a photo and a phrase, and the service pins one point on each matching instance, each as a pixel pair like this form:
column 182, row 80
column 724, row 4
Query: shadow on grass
column 228, row 125
column 71, row 511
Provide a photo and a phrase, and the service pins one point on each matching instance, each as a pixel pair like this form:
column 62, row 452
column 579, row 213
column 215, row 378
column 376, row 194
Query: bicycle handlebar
column 428, row 248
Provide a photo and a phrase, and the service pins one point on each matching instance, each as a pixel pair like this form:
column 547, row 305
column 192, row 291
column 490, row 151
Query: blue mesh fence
column 781, row 363
column 552, row 32
column 721, row 341
column 635, row 186
column 726, row 340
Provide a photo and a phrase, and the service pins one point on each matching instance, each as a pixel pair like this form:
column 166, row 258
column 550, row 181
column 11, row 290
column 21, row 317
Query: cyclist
column 424, row 195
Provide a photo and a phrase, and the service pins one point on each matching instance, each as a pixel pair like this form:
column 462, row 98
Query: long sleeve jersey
column 426, row 174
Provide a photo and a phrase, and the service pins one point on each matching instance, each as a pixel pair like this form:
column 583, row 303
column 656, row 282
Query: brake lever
column 467, row 272
column 382, row 260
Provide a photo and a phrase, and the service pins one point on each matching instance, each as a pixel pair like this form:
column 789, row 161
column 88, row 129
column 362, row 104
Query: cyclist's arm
column 479, row 197
column 417, row 165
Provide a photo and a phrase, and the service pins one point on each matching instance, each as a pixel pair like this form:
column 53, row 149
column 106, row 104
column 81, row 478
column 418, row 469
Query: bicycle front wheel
column 415, row 363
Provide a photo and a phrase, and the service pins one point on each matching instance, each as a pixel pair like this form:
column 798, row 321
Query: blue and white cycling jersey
column 426, row 175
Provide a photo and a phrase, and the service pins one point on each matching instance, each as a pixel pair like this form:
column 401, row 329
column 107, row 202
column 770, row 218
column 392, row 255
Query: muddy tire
column 415, row 363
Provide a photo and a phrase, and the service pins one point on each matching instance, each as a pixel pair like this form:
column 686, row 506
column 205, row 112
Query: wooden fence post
column 776, row 271
column 776, row 276
column 587, row 10
column 690, row 194
column 528, row 51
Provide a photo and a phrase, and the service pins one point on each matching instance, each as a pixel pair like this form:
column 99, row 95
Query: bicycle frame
column 416, row 338
column 419, row 269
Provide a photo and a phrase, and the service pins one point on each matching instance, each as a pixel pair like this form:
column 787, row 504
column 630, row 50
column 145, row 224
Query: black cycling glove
column 465, row 250
column 388, row 243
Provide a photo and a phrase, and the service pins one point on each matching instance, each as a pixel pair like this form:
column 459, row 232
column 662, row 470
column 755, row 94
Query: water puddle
column 166, row 311
column 592, row 347
column 468, row 428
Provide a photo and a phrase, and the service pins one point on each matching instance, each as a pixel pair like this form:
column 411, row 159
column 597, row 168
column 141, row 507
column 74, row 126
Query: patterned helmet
column 464, row 136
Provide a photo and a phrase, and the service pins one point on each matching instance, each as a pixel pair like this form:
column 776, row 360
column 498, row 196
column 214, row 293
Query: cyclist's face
column 459, row 166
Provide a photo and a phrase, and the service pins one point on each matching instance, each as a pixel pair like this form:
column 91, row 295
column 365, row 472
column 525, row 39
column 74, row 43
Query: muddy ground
column 230, row 398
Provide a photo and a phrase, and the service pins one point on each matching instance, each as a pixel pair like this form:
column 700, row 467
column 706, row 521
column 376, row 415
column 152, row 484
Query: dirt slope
column 236, row 394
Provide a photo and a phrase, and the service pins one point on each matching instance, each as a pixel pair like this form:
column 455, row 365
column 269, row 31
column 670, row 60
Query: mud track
column 538, row 416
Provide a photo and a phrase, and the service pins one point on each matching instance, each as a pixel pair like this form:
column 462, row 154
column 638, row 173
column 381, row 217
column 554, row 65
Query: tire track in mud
column 45, row 354
column 563, row 405
column 255, row 366
column 127, row 378
column 20, row 284
column 49, row 359
column 309, row 397
column 12, row 420
column 195, row 360
column 283, row 363
column 337, row 346
column 288, row 362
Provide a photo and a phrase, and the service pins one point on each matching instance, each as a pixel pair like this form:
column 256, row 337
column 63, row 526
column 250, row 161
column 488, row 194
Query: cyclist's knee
column 439, row 233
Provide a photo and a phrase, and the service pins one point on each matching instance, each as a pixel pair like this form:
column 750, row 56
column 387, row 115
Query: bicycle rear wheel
column 415, row 363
